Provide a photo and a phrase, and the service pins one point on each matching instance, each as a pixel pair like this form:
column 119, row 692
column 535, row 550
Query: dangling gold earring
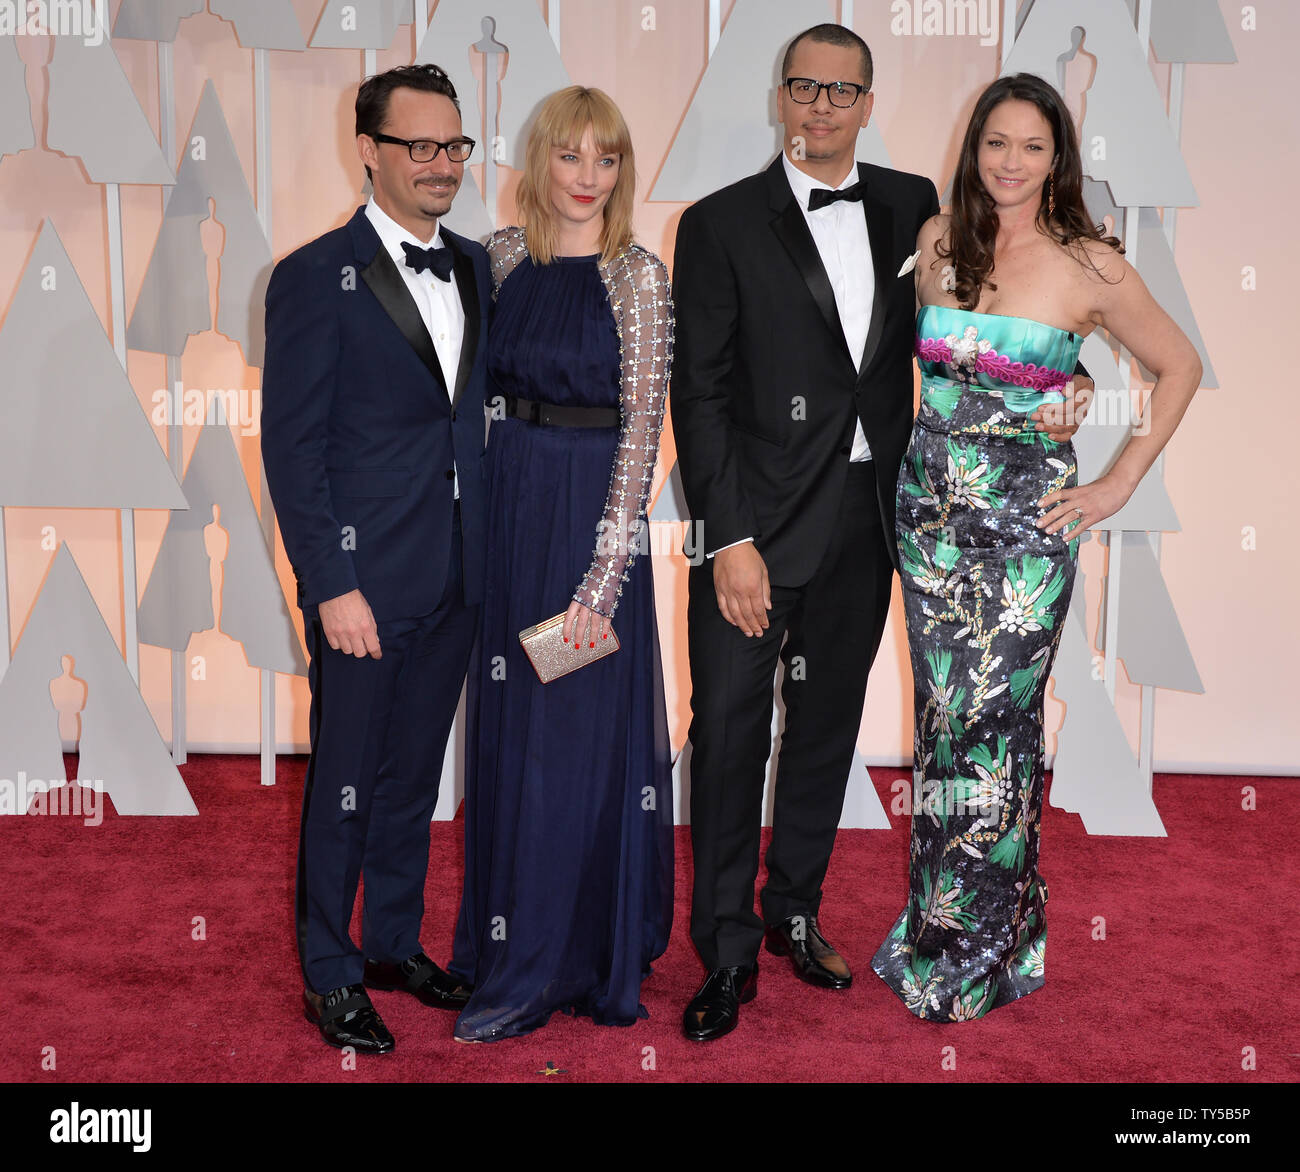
column 1051, row 193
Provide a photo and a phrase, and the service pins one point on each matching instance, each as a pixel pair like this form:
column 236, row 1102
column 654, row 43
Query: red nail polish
column 593, row 643
column 566, row 638
column 605, row 636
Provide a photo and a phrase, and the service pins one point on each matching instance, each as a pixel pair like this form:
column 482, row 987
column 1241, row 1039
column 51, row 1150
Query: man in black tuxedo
column 792, row 403
column 372, row 436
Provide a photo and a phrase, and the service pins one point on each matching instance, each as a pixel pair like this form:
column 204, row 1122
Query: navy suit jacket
column 359, row 432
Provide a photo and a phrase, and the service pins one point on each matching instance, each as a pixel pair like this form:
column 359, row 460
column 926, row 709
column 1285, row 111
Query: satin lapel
column 468, row 289
column 880, row 231
column 792, row 230
column 391, row 292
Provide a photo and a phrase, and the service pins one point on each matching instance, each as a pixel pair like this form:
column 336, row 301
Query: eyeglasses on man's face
column 425, row 150
column 805, row 91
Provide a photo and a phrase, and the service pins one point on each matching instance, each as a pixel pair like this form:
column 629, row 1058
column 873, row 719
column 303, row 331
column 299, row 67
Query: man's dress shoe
column 419, row 975
column 714, row 1010
column 345, row 1017
column 815, row 961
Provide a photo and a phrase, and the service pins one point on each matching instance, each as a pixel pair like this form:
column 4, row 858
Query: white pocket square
column 910, row 263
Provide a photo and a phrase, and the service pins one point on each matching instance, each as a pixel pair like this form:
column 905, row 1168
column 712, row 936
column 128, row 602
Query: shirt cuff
column 740, row 542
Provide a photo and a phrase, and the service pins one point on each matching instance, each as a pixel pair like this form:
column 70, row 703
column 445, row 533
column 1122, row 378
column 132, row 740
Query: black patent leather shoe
column 418, row 975
column 345, row 1017
column 815, row 961
column 715, row 1009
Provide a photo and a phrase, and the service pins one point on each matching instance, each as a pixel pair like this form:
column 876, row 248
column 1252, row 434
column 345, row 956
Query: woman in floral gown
column 990, row 514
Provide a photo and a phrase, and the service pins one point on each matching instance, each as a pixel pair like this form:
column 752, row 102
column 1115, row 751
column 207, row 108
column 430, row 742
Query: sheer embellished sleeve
column 506, row 248
column 641, row 301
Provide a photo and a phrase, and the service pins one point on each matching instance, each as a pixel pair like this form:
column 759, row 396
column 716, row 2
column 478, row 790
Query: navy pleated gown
column 568, row 792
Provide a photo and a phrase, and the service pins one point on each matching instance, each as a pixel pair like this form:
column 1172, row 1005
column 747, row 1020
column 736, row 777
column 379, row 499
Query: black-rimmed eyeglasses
column 425, row 150
column 805, row 91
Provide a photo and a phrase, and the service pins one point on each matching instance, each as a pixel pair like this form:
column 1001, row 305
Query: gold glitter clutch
column 552, row 657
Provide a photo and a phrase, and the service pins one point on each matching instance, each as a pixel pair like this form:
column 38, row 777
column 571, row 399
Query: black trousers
column 379, row 731
column 834, row 625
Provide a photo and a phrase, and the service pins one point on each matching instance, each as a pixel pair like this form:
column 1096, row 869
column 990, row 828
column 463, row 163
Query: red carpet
column 106, row 981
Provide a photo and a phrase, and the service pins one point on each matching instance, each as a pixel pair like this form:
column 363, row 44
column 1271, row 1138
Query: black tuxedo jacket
column 359, row 433
column 764, row 392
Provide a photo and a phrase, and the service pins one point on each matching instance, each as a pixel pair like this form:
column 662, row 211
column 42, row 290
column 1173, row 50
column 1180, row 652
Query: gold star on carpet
column 551, row 1068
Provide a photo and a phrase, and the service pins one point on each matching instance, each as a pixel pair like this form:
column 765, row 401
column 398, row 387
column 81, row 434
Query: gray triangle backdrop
column 1141, row 161
column 16, row 132
column 177, row 601
column 74, row 435
column 173, row 301
column 93, row 113
column 119, row 744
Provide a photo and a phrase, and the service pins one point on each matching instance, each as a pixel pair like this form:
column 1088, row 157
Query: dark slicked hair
column 830, row 34
column 372, row 97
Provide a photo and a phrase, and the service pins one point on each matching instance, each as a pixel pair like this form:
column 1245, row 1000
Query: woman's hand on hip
column 1081, row 507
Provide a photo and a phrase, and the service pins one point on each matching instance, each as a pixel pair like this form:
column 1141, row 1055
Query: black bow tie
column 438, row 261
column 821, row 197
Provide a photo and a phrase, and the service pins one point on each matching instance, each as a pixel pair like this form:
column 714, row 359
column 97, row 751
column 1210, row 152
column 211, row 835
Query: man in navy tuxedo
column 372, row 436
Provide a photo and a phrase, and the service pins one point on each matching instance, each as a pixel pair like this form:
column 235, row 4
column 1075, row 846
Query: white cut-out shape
column 212, row 239
column 468, row 215
column 74, row 435
column 1189, row 30
column 682, row 786
column 216, row 543
column 730, row 128
column 1100, row 204
column 534, row 68
column 177, row 600
column 451, row 786
column 1076, row 70
column 94, row 115
column 17, row 132
column 173, row 300
column 862, row 808
column 1151, row 641
column 262, row 24
column 1155, row 262
column 1095, row 774
column 68, row 695
column 1103, row 434
column 493, row 54
column 1142, row 162
column 366, row 24
column 670, row 504
column 153, row 20
column 119, row 743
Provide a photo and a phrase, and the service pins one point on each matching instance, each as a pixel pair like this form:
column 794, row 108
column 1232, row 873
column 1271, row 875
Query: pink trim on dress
column 989, row 361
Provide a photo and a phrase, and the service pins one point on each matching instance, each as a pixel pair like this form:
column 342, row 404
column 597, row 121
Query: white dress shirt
column 438, row 301
column 839, row 230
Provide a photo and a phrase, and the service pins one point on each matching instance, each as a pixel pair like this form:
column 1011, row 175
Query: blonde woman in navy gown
column 568, row 791
column 990, row 513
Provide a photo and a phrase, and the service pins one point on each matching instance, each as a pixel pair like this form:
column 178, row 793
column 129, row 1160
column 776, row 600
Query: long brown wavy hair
column 974, row 226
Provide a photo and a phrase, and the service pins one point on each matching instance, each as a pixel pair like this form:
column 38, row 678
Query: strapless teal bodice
column 1024, row 362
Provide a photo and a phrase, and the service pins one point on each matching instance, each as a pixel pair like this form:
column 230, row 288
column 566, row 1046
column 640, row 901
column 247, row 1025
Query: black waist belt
column 556, row 416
